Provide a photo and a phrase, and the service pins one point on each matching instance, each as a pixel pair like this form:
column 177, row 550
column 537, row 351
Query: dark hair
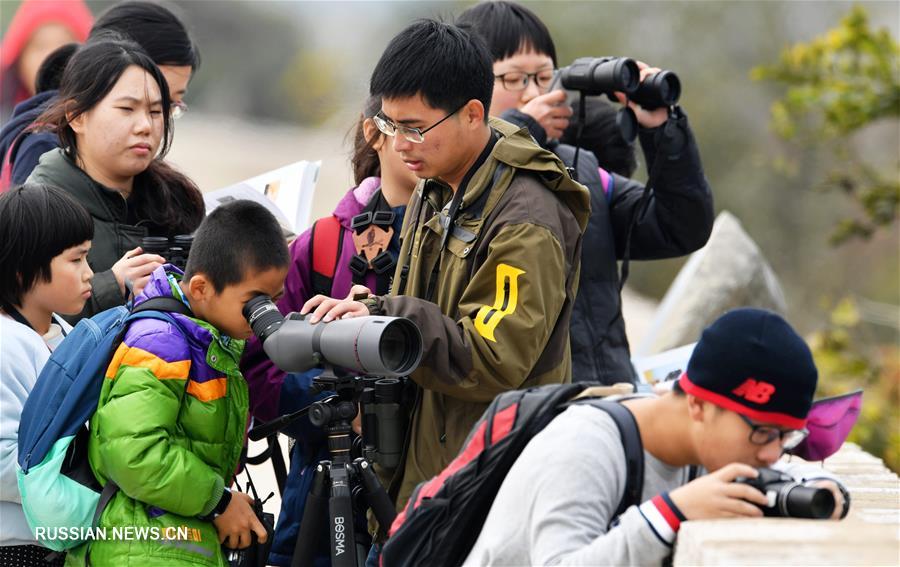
column 508, row 28
column 51, row 70
column 443, row 63
column 155, row 28
column 365, row 162
column 235, row 238
column 164, row 196
column 37, row 223
column 601, row 135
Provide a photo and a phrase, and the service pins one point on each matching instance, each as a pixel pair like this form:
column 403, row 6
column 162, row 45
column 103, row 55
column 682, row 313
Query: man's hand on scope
column 328, row 309
column 551, row 112
column 646, row 118
column 714, row 495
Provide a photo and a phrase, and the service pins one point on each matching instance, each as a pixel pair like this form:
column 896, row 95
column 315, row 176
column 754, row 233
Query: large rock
column 730, row 271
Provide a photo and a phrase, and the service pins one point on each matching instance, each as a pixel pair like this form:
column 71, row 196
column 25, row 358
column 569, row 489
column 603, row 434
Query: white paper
column 286, row 191
column 656, row 367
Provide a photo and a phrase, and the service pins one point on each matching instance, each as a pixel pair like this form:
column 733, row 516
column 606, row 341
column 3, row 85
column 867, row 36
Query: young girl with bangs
column 45, row 236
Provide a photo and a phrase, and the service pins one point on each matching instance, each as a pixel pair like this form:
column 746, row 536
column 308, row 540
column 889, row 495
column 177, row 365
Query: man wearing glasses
column 491, row 244
column 679, row 212
column 742, row 402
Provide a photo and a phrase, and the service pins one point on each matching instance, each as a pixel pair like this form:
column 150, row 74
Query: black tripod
column 337, row 481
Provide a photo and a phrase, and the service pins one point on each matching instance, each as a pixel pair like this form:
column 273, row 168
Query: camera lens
column 806, row 502
column 263, row 316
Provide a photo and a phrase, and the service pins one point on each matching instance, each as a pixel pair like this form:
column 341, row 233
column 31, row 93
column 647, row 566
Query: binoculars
column 175, row 251
column 606, row 75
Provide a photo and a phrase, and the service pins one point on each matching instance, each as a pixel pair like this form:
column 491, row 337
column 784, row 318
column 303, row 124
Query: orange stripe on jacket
column 133, row 356
column 208, row 391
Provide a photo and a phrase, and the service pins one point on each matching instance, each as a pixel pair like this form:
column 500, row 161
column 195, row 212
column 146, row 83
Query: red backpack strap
column 327, row 241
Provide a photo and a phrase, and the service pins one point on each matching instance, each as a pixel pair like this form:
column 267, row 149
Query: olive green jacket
column 498, row 318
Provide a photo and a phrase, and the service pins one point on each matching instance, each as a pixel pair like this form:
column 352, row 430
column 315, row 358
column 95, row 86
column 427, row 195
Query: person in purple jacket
column 384, row 185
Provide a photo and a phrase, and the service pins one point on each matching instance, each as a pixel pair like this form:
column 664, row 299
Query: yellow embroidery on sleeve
column 488, row 318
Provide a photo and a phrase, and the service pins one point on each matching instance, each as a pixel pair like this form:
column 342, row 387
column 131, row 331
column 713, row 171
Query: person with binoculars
column 707, row 446
column 673, row 219
column 114, row 120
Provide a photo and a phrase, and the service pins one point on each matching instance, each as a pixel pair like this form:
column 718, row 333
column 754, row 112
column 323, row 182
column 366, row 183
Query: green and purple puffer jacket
column 168, row 430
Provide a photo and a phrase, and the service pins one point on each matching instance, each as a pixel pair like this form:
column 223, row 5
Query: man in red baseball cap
column 741, row 403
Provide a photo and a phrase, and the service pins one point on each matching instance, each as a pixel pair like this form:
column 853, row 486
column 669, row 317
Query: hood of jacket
column 355, row 200
column 22, row 117
column 516, row 148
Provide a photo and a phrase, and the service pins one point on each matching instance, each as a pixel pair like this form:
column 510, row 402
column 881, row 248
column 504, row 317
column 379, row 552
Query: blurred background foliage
column 840, row 84
column 794, row 105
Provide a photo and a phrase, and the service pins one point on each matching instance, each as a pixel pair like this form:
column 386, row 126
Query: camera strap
column 582, row 117
column 448, row 219
column 640, row 208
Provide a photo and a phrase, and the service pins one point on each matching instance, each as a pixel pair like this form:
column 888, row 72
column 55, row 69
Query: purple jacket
column 263, row 377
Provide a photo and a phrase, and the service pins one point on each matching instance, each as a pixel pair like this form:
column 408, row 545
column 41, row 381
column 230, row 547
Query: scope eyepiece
column 263, row 316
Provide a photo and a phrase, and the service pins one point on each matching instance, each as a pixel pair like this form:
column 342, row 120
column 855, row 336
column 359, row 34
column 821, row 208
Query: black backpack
column 444, row 515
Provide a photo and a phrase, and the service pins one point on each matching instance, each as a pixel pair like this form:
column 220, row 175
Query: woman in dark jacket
column 113, row 119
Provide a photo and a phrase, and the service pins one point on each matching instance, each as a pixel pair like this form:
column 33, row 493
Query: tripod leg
column 312, row 530
column 377, row 498
column 343, row 539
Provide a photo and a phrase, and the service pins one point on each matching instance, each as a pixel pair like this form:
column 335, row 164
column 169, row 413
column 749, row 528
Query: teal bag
column 61, row 498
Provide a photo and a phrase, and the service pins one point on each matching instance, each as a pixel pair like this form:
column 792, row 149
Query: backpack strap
column 165, row 304
column 634, row 450
column 162, row 304
column 327, row 240
column 106, row 496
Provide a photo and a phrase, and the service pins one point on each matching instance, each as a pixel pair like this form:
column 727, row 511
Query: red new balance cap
column 752, row 362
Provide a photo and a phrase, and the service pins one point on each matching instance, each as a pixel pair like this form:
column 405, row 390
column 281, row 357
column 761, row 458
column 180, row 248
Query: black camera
column 606, row 75
column 790, row 499
column 257, row 554
column 175, row 251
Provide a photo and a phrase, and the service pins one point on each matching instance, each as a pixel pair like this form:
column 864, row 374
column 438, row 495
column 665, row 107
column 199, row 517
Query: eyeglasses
column 765, row 434
column 518, row 81
column 178, row 109
column 414, row 135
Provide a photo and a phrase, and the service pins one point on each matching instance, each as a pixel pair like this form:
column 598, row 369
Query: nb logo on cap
column 755, row 391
